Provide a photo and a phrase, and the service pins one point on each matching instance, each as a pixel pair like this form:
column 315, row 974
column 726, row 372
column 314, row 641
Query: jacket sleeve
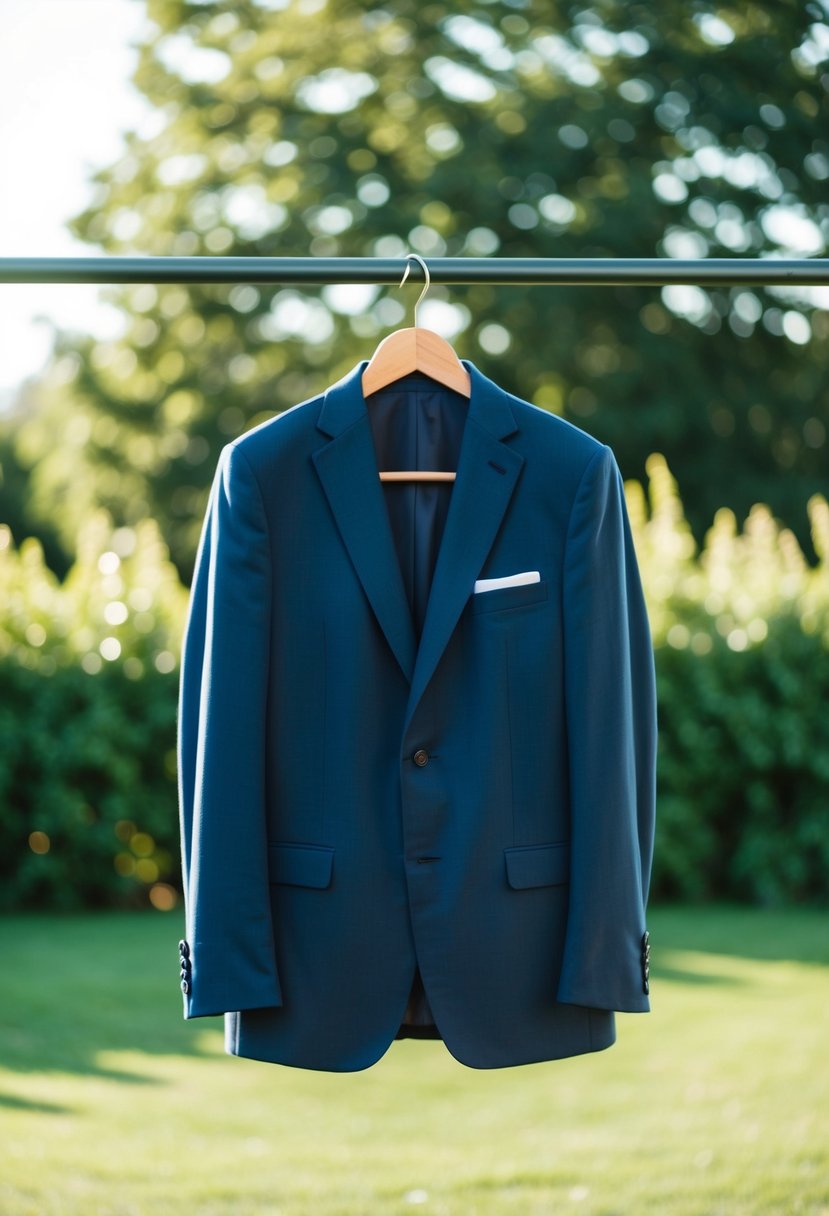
column 611, row 723
column 228, row 960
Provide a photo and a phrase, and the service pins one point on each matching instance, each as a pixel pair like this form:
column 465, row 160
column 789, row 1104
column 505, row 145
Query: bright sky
column 65, row 98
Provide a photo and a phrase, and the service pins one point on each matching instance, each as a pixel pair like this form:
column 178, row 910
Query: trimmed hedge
column 89, row 683
column 88, row 691
column 743, row 809
column 87, row 789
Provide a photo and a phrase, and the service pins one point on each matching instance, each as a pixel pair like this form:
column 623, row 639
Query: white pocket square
column 509, row 580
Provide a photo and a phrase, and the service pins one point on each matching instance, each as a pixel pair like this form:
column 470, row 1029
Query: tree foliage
column 516, row 128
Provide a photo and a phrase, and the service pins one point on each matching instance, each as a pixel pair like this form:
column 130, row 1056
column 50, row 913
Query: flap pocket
column 540, row 865
column 300, row 865
column 509, row 597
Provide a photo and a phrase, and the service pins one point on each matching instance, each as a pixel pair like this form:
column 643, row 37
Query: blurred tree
column 17, row 509
column 514, row 128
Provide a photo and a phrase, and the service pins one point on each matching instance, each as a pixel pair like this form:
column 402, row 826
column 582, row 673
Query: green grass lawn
column 715, row 1104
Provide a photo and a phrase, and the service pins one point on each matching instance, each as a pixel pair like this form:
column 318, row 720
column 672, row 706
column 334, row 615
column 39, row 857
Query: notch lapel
column 485, row 479
column 347, row 468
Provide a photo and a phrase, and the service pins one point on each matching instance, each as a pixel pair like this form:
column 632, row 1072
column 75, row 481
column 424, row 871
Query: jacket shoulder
column 565, row 450
column 552, row 429
column 280, row 435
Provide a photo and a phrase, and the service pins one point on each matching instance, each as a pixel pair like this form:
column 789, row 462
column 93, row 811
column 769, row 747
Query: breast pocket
column 502, row 598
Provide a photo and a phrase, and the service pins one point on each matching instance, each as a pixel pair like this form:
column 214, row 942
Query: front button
column 421, row 757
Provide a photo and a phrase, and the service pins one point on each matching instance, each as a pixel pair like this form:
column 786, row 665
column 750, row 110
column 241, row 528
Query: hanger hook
column 417, row 258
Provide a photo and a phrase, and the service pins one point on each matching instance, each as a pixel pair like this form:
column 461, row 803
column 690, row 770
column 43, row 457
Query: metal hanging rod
column 528, row 271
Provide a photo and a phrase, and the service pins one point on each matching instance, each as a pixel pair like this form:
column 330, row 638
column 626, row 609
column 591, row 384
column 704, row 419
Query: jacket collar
column 344, row 403
column 485, row 479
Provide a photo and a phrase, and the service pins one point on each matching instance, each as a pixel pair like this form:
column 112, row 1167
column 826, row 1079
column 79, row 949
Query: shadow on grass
column 12, row 1102
column 774, row 935
column 679, row 975
column 83, row 987
column 80, row 987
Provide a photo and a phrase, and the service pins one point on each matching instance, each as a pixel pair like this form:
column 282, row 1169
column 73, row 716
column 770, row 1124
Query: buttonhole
column 422, row 859
column 496, row 466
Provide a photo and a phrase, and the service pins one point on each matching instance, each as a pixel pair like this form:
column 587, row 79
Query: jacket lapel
column 347, row 468
column 485, row 479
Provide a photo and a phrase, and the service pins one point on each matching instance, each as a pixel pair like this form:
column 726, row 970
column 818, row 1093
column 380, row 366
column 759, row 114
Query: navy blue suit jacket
column 409, row 807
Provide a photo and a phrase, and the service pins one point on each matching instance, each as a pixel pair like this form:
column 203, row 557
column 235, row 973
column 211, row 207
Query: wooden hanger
column 415, row 350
